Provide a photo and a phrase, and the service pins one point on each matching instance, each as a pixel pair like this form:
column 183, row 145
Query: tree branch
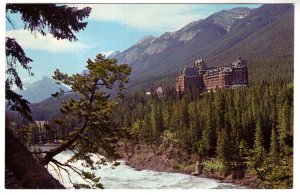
column 66, row 170
column 56, row 171
column 10, row 22
column 75, row 169
column 75, row 137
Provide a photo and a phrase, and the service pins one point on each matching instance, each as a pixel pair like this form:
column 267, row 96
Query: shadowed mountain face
column 40, row 90
column 174, row 48
column 255, row 34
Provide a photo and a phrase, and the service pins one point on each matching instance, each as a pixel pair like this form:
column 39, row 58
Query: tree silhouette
column 60, row 21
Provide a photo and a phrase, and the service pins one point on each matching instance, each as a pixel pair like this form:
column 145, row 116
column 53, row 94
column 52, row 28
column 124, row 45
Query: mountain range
column 257, row 35
column 263, row 36
column 40, row 90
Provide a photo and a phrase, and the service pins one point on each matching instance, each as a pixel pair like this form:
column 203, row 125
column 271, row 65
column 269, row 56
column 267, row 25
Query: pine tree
column 184, row 115
column 283, row 126
column 156, row 119
column 147, row 128
column 274, row 146
column 223, row 150
column 206, row 145
column 194, row 126
column 94, row 109
column 258, row 142
column 242, row 133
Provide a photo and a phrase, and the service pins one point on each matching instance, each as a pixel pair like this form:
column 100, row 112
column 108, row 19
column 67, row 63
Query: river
column 125, row 177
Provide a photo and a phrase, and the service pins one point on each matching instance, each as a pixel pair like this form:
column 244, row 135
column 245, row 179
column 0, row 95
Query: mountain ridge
column 40, row 90
column 219, row 39
column 213, row 27
column 268, row 47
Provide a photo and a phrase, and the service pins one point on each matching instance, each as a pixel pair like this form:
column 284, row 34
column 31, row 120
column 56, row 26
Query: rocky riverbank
column 159, row 157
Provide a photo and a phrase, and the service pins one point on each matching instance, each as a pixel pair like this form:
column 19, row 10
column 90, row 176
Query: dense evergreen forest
column 252, row 125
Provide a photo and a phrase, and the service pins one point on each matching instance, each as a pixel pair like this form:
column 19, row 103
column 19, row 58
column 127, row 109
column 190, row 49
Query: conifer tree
column 274, row 146
column 242, row 133
column 156, row 119
column 147, row 128
column 96, row 132
column 185, row 115
column 258, row 142
column 283, row 126
column 223, row 150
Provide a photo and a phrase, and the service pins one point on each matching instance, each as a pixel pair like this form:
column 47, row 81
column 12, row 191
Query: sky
column 111, row 27
column 118, row 30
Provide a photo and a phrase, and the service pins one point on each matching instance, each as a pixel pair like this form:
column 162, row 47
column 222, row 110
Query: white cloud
column 158, row 17
column 46, row 43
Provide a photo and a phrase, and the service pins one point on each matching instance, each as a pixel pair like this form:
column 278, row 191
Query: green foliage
column 274, row 146
column 15, row 55
column 156, row 120
column 223, row 151
column 93, row 131
column 233, row 125
column 44, row 17
column 258, row 140
column 215, row 166
column 272, row 172
column 60, row 21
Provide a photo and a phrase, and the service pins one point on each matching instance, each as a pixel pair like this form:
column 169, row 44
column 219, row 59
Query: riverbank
column 159, row 157
column 126, row 177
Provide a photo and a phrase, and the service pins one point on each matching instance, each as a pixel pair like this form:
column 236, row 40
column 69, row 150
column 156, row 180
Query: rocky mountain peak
column 209, row 37
column 146, row 40
column 41, row 89
column 115, row 54
column 226, row 18
column 190, row 25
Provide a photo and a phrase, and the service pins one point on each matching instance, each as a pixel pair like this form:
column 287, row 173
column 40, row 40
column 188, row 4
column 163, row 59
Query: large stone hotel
column 201, row 77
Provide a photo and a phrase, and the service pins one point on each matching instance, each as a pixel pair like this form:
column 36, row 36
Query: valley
column 218, row 92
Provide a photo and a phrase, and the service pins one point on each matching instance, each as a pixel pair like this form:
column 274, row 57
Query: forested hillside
column 247, row 126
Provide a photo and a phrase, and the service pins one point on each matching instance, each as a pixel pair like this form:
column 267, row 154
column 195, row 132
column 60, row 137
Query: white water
column 125, row 177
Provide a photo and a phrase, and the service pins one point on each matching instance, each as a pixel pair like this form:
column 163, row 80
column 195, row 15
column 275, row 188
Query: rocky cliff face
column 136, row 51
column 151, row 157
column 168, row 157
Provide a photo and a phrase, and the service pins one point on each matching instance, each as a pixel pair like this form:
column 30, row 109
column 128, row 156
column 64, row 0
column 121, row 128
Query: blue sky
column 111, row 27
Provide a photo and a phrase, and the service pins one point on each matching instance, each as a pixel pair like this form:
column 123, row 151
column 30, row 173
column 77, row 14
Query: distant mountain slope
column 252, row 36
column 40, row 90
column 173, row 49
column 263, row 36
column 50, row 107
